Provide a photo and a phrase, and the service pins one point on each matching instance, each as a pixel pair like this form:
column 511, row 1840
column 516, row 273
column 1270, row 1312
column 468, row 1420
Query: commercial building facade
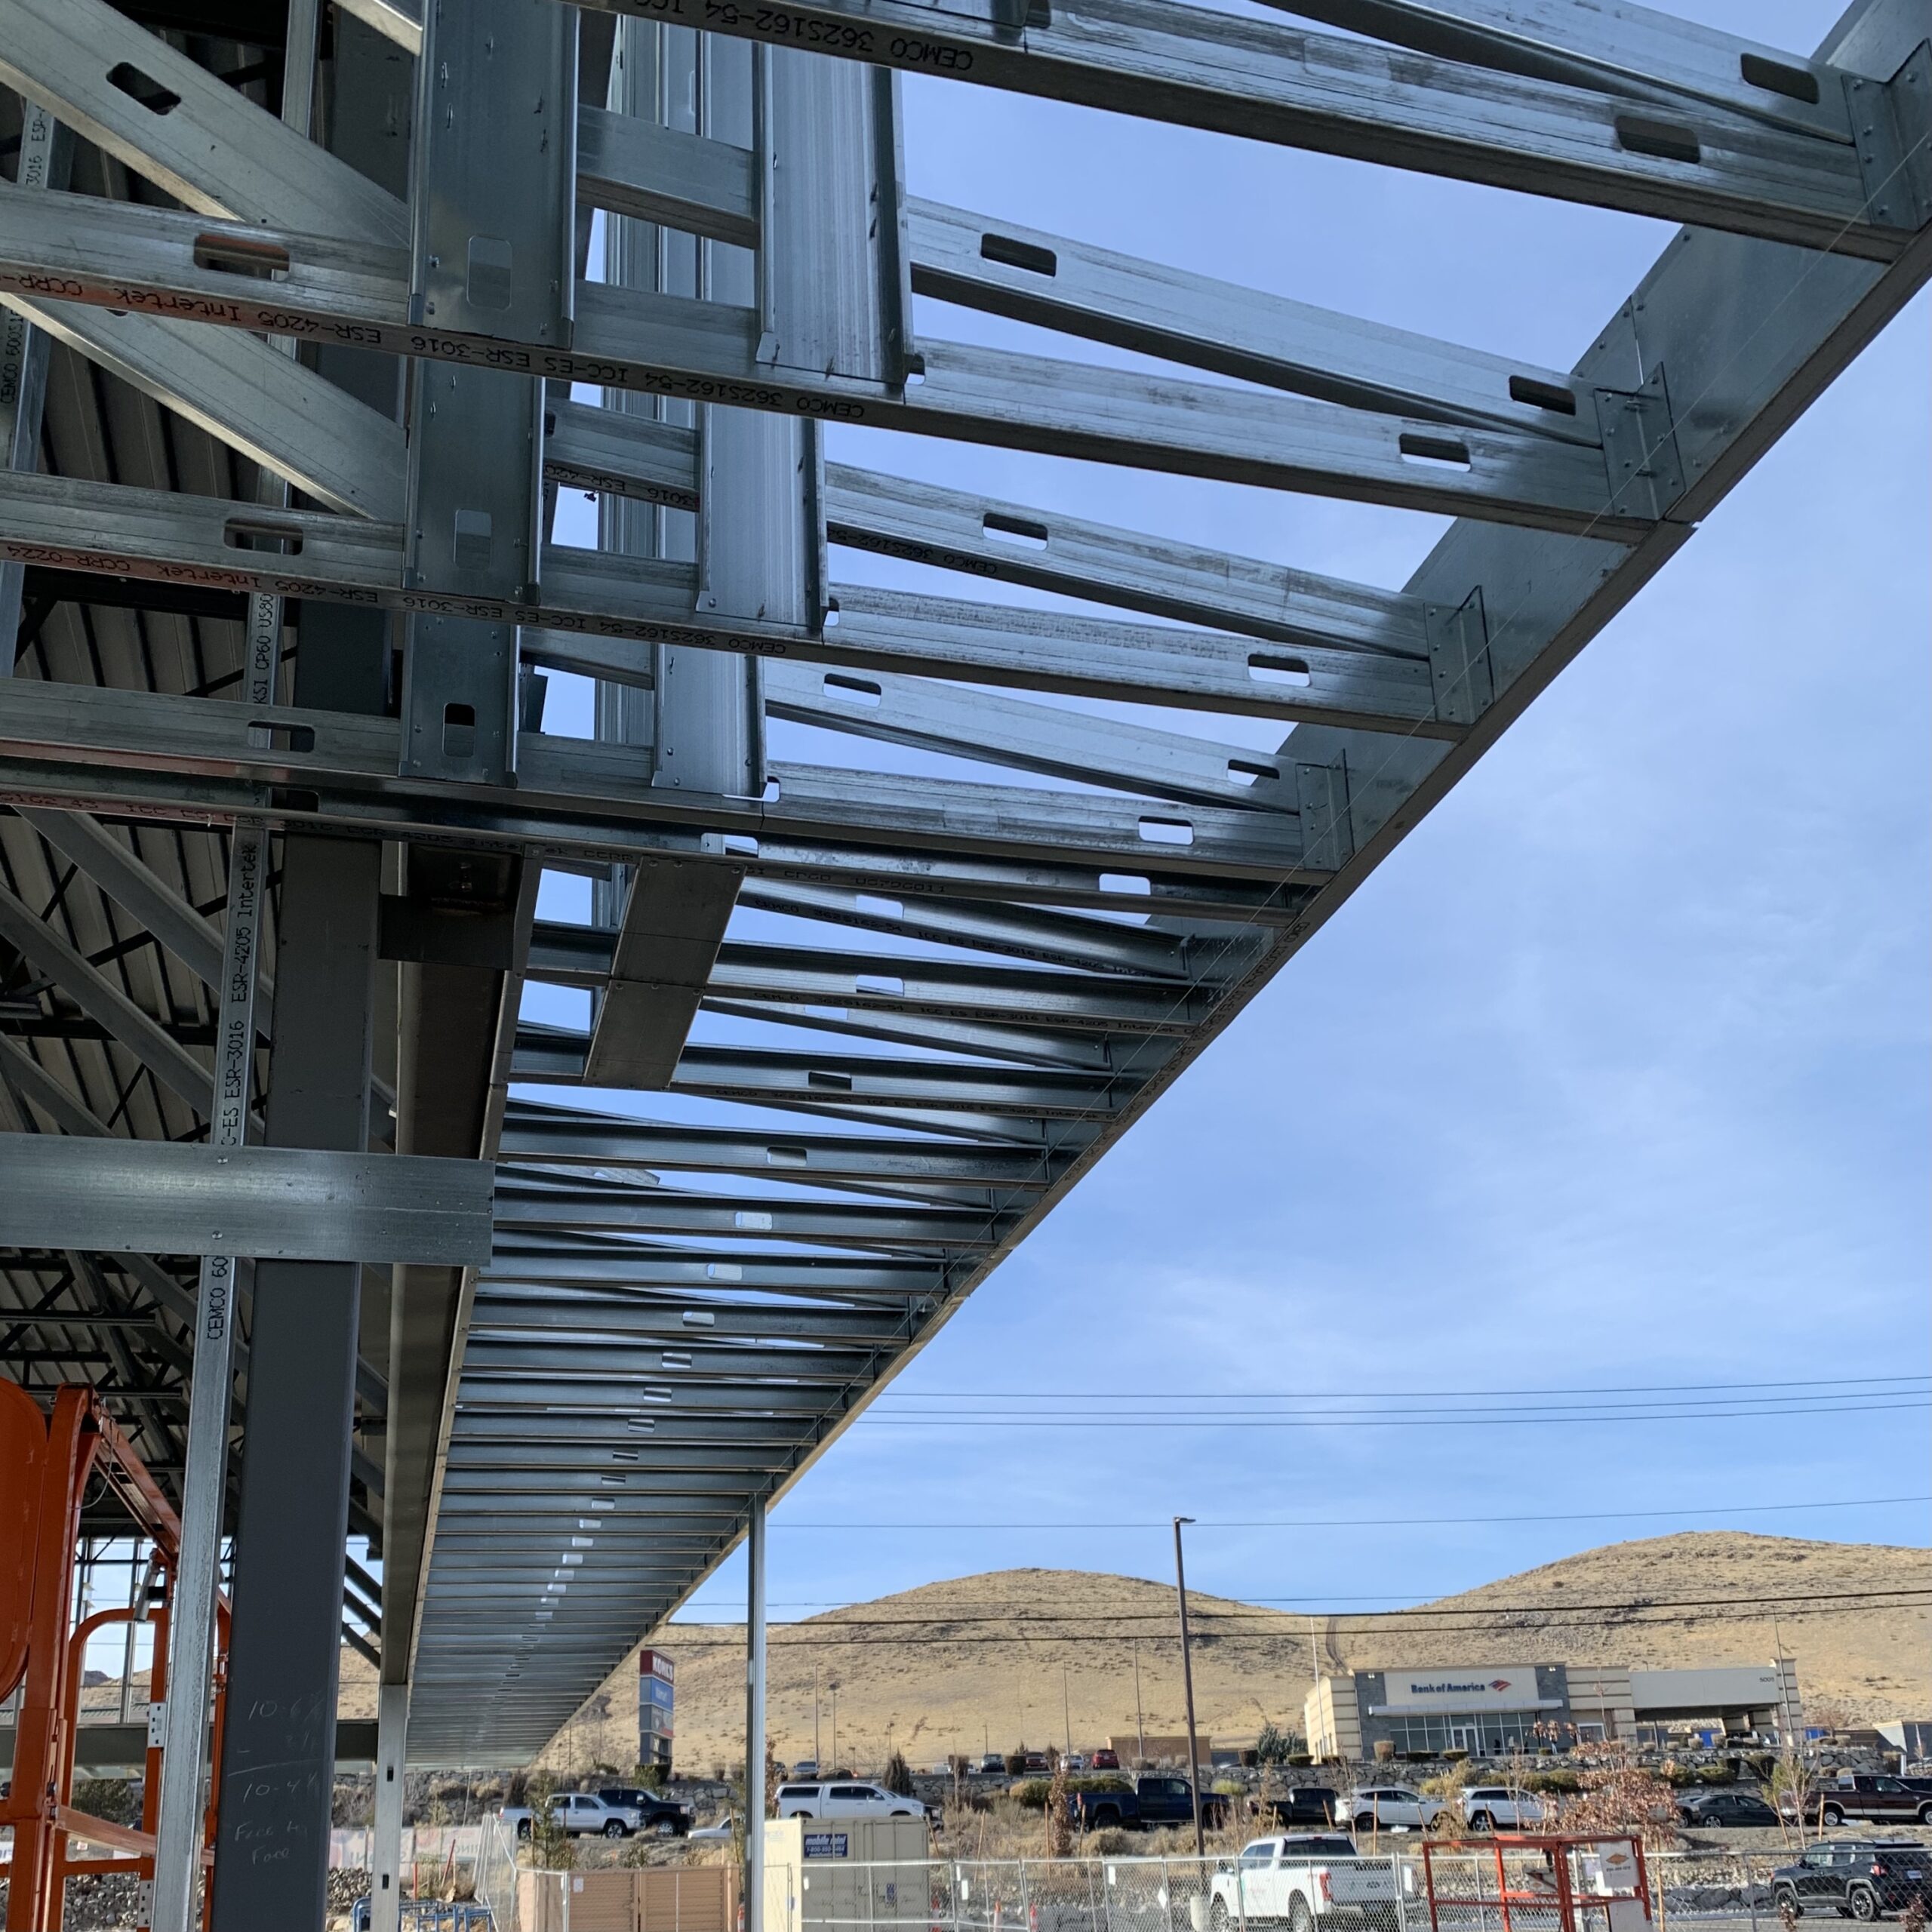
column 1488, row 1710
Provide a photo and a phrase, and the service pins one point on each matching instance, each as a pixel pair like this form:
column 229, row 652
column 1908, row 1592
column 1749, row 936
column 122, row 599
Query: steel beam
column 1006, row 269
column 276, row 1774
column 100, row 999
column 1707, row 164
column 676, row 346
column 157, row 534
column 120, row 873
column 997, row 541
column 534, row 1133
column 245, row 392
column 168, row 118
column 166, row 1197
column 1619, row 48
column 45, row 154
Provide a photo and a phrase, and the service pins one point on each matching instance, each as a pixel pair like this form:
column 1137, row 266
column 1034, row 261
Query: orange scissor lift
column 45, row 1466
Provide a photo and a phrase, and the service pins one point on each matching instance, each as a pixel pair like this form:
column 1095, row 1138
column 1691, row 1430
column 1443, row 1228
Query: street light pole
column 1187, row 1688
column 1066, row 1709
column 1140, row 1721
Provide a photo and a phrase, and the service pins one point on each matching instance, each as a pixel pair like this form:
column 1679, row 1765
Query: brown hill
column 994, row 1660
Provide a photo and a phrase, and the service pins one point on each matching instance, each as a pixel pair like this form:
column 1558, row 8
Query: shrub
column 1273, row 1746
column 111, row 1799
column 898, row 1777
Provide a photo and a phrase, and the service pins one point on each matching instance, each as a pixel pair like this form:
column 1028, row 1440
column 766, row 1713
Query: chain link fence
column 1464, row 1887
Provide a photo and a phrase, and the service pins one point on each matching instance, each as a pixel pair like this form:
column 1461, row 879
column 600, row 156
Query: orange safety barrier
column 45, row 1465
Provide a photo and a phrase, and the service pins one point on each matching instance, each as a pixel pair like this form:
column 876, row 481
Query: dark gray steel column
column 278, row 1766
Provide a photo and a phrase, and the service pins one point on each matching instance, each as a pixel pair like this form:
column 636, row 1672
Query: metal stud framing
column 889, row 1021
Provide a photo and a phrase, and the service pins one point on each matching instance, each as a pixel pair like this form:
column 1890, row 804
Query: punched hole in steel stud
column 853, row 690
column 1014, row 254
column 1267, row 667
column 1017, row 529
column 143, row 87
column 260, row 533
column 1445, row 452
column 1664, row 140
column 1794, row 83
column 458, row 730
column 1542, row 395
column 241, row 254
column 1167, row 831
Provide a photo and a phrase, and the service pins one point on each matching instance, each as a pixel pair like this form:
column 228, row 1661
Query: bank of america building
column 1488, row 1709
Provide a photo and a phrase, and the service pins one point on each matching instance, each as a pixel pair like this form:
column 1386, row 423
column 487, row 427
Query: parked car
column 1105, row 1760
column 806, row 1767
column 1071, row 1761
column 1495, row 1807
column 1034, row 1764
column 1381, row 1807
column 1304, row 1880
column 1145, row 1804
column 580, row 1812
column 1720, row 1808
column 991, row 1765
column 1301, row 1804
column 662, row 1816
column 726, row 1827
column 1863, row 1794
column 1866, row 1878
column 846, row 1800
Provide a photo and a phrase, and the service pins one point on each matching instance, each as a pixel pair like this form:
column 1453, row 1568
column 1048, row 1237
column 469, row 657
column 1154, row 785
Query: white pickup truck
column 1304, row 1880
column 579, row 1813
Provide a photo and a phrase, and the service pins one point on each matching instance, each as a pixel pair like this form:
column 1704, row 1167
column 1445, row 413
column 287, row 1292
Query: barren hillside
column 956, row 1665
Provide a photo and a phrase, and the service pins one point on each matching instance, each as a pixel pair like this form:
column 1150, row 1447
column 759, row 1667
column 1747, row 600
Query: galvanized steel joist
column 679, row 1314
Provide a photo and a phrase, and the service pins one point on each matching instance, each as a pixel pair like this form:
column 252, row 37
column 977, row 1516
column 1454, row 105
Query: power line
column 1571, row 1419
column 1457, row 1619
column 1396, row 1522
column 1393, row 1395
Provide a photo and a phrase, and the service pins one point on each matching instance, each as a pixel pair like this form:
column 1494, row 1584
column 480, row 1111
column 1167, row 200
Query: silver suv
column 848, row 1800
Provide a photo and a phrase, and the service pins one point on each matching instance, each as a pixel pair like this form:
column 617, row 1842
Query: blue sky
column 1614, row 1073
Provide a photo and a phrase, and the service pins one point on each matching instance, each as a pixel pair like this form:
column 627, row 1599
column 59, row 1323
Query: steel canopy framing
column 883, row 1022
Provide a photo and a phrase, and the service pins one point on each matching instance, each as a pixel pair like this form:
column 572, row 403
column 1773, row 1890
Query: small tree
column 1794, row 1793
column 1624, row 1801
column 551, row 1848
column 1059, row 1822
column 1015, row 1763
column 898, row 1777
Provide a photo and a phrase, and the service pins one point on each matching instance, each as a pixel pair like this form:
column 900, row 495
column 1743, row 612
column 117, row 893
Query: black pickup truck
column 1145, row 1804
column 661, row 1816
column 1302, row 1805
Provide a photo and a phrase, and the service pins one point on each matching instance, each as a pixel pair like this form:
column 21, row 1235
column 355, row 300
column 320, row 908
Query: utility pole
column 834, row 1688
column 1140, row 1721
column 1067, row 1710
column 1187, row 1688
column 818, row 1757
